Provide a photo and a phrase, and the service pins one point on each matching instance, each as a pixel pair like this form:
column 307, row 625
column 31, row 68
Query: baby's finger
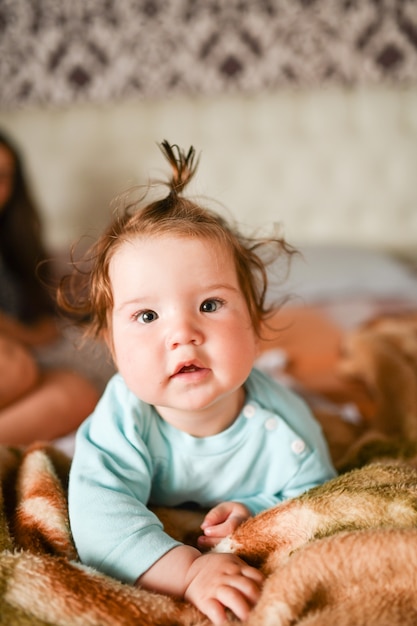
column 215, row 611
column 253, row 573
column 220, row 530
column 207, row 543
column 215, row 516
column 225, row 528
column 250, row 587
column 239, row 603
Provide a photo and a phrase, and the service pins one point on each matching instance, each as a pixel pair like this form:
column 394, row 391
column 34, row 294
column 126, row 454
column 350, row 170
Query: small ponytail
column 183, row 165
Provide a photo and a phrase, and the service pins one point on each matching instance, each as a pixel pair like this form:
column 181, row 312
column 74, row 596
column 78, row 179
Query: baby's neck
column 208, row 421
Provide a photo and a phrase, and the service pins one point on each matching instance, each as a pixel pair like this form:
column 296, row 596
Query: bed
column 344, row 553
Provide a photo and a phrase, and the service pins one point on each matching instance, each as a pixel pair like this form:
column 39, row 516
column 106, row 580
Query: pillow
column 326, row 272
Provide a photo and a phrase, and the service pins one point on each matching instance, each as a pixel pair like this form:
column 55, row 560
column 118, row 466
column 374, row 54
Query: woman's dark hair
column 21, row 245
column 86, row 294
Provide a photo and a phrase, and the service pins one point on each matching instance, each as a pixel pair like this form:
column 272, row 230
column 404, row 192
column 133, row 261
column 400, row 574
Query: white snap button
column 249, row 410
column 298, row 446
column 271, row 423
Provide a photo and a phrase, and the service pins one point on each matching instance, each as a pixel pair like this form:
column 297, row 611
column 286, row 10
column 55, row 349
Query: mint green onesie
column 126, row 457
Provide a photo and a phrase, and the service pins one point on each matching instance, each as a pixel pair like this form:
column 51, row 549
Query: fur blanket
column 343, row 553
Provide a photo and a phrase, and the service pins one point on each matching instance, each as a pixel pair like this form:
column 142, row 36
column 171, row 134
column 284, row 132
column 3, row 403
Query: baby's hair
column 86, row 294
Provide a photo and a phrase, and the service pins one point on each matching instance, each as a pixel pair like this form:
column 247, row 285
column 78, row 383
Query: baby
column 179, row 298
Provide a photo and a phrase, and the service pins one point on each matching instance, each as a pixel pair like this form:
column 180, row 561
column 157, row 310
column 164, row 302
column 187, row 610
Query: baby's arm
column 212, row 582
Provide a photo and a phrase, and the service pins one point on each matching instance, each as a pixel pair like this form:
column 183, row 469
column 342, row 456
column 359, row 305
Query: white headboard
column 332, row 165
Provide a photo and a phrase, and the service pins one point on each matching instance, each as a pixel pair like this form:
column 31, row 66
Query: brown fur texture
column 41, row 583
column 364, row 578
column 383, row 355
column 375, row 496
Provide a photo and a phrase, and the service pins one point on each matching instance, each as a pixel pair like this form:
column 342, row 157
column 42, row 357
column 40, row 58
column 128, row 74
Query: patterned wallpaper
column 65, row 51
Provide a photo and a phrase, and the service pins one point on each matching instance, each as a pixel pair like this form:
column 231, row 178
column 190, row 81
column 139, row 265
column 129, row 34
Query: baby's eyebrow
column 137, row 302
column 217, row 286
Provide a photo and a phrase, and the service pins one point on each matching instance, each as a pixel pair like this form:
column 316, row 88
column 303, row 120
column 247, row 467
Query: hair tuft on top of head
column 183, row 165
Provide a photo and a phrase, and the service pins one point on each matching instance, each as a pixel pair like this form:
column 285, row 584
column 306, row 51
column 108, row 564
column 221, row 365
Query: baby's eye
column 146, row 317
column 212, row 305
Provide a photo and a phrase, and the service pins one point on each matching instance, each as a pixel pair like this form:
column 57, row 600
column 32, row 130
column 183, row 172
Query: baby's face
column 182, row 337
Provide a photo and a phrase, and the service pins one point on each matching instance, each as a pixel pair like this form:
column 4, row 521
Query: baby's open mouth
column 188, row 368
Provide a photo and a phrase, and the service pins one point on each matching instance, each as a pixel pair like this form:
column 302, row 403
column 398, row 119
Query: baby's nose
column 184, row 332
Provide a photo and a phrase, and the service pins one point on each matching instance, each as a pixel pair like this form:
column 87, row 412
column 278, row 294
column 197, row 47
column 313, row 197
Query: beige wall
column 333, row 166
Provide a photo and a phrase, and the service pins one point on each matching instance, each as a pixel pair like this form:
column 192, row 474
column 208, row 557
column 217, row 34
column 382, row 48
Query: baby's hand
column 221, row 521
column 216, row 582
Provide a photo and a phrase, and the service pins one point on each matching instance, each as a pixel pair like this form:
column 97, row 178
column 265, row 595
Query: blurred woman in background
column 38, row 400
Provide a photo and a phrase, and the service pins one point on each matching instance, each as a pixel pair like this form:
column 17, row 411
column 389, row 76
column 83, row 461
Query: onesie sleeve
column 315, row 469
column 110, row 484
